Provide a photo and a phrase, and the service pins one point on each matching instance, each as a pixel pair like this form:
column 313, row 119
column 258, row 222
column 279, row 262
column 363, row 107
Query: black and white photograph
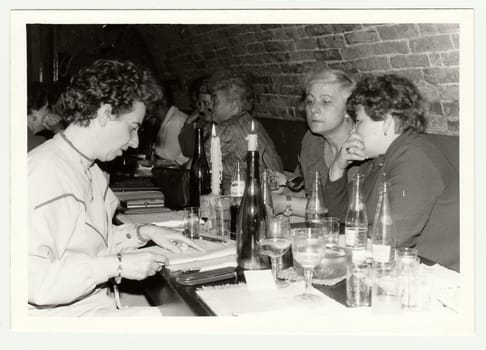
column 258, row 171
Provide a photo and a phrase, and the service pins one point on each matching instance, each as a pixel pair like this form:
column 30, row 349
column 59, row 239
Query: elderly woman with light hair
column 326, row 92
column 232, row 102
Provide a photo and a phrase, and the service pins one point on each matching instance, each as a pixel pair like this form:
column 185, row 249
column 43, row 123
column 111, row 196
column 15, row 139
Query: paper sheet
column 237, row 300
column 444, row 285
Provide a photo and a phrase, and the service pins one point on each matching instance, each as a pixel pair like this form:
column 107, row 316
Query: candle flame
column 252, row 126
column 213, row 133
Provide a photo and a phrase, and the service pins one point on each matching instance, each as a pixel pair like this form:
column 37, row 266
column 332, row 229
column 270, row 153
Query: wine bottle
column 251, row 218
column 383, row 234
column 356, row 223
column 315, row 210
column 200, row 179
column 237, row 189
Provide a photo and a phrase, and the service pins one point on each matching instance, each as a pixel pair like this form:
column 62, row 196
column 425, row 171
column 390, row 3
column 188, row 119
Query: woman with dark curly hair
column 74, row 250
column 389, row 112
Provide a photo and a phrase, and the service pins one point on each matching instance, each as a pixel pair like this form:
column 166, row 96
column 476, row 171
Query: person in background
column 326, row 92
column 167, row 145
column 200, row 117
column 390, row 115
column 74, row 250
column 42, row 122
column 232, row 102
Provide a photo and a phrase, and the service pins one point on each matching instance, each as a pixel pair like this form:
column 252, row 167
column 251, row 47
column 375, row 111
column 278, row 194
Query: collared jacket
column 70, row 208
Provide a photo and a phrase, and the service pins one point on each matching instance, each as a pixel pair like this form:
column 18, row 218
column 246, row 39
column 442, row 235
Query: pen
column 212, row 239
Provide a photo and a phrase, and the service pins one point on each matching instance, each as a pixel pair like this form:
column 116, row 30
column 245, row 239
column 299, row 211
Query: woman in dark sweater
column 390, row 119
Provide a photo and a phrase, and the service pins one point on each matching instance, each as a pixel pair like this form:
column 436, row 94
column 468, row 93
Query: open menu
column 217, row 254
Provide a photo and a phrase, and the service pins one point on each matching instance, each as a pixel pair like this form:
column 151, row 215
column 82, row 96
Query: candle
column 252, row 138
column 216, row 163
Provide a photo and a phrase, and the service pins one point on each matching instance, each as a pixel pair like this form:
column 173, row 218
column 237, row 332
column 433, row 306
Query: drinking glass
column 331, row 226
column 222, row 216
column 308, row 249
column 191, row 222
column 408, row 265
column 205, row 211
column 358, row 284
column 385, row 297
column 275, row 243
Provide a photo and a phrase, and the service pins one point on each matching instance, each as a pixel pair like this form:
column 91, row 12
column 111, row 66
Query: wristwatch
column 288, row 209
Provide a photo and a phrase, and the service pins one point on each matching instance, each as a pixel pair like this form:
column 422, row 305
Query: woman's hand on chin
column 351, row 150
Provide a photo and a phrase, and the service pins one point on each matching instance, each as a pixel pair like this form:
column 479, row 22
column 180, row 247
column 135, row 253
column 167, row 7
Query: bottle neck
column 316, row 188
column 237, row 175
column 199, row 145
column 357, row 193
column 253, row 166
column 385, row 200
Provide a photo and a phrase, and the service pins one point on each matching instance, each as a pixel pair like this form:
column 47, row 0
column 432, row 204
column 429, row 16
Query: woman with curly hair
column 74, row 250
column 389, row 112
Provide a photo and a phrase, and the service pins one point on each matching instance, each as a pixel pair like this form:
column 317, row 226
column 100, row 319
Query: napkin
column 444, row 285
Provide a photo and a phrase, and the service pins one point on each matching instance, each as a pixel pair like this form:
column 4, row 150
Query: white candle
column 252, row 138
column 216, row 163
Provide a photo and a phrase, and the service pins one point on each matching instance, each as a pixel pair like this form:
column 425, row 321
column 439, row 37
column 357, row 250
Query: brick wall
column 278, row 55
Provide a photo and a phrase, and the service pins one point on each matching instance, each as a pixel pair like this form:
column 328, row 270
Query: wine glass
column 275, row 243
column 308, row 249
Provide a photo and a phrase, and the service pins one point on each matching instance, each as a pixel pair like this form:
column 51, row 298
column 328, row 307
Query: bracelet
column 118, row 278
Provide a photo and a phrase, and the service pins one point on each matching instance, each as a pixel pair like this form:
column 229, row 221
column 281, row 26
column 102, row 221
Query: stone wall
column 278, row 56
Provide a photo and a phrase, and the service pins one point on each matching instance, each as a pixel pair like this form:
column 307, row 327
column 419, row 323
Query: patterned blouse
column 234, row 146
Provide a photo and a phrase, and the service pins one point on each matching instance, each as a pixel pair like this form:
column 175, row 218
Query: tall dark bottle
column 237, row 190
column 200, row 179
column 251, row 219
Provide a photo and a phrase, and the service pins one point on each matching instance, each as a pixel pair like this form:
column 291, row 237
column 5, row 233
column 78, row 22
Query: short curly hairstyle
column 390, row 94
column 118, row 83
column 236, row 86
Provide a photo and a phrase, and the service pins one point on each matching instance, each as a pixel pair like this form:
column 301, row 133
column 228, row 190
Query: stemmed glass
column 308, row 249
column 275, row 243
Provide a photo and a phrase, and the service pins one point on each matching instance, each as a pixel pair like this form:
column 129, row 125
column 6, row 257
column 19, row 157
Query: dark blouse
column 424, row 177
